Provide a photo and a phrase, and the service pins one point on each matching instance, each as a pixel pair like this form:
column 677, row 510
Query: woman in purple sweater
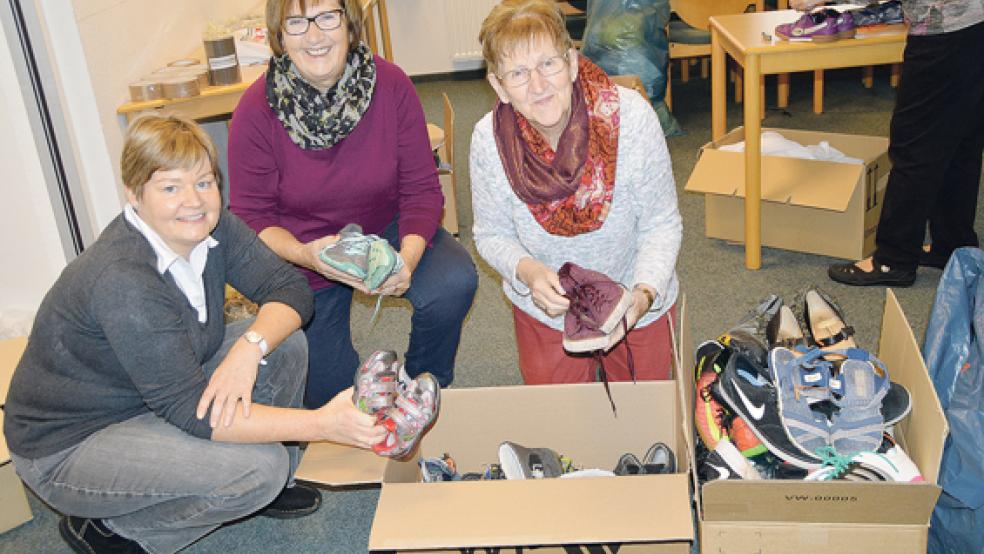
column 335, row 135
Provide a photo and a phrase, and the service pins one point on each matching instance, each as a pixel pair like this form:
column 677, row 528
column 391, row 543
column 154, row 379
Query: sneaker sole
column 73, row 540
column 585, row 345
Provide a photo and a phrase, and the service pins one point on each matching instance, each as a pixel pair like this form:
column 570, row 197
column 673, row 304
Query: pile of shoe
column 517, row 462
column 816, row 403
column 368, row 258
column 406, row 407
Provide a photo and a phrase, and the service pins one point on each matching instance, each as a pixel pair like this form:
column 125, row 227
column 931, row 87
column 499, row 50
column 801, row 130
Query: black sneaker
column 91, row 536
column 294, row 502
column 725, row 462
column 748, row 389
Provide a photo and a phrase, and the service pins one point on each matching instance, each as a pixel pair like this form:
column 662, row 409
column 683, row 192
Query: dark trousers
column 441, row 293
column 935, row 143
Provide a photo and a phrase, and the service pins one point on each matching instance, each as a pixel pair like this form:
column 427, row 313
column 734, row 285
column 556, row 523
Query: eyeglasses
column 521, row 75
column 326, row 21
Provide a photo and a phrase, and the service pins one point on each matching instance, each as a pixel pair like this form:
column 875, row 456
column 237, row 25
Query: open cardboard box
column 14, row 508
column 813, row 206
column 630, row 513
column 823, row 517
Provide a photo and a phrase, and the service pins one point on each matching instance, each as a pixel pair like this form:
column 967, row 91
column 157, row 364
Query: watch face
column 252, row 336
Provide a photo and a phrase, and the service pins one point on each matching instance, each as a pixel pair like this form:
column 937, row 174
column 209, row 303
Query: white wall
column 30, row 247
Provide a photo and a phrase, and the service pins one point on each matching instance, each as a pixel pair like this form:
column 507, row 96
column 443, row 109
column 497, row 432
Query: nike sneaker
column 748, row 390
column 891, row 465
column 816, row 27
column 726, row 462
column 712, row 419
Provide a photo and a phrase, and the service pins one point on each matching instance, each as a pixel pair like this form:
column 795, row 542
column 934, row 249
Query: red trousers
column 543, row 360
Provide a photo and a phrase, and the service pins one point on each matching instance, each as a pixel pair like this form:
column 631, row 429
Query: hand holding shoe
column 310, row 255
column 544, row 285
column 340, row 421
column 640, row 305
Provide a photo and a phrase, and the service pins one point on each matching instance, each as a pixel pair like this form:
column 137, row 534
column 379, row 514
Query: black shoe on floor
column 294, row 502
column 850, row 274
column 91, row 536
column 932, row 259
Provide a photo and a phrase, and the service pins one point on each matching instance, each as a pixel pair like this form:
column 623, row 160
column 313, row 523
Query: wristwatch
column 253, row 337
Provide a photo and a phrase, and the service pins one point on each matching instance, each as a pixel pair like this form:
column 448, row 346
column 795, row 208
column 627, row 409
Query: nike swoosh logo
column 755, row 411
column 722, row 473
column 813, row 29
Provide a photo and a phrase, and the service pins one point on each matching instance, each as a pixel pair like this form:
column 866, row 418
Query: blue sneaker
column 350, row 254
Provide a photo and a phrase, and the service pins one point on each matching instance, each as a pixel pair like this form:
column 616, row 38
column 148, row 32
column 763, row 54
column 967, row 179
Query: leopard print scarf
column 316, row 120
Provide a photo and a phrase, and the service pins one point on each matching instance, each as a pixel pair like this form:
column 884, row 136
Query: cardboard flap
column 336, row 465
column 819, row 502
column 11, row 351
column 476, row 421
column 925, row 428
column 541, row 512
column 798, row 182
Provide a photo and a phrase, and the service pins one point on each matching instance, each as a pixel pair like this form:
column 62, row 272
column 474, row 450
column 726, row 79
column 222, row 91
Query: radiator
column 464, row 19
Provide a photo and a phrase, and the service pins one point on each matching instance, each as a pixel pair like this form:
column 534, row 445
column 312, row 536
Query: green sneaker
column 350, row 254
column 382, row 262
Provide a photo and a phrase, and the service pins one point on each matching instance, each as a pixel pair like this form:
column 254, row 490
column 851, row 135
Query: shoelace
column 830, row 457
column 603, row 374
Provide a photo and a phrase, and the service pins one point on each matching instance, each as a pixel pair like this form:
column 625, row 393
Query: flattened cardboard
column 777, row 517
column 799, row 197
column 336, row 465
column 11, row 351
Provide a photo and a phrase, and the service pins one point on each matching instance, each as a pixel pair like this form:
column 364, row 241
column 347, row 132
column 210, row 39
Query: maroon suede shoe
column 598, row 305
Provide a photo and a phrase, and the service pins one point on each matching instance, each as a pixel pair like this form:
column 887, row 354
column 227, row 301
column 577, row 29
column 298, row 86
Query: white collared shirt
column 187, row 273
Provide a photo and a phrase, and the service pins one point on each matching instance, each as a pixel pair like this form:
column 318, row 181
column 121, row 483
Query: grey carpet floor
column 718, row 287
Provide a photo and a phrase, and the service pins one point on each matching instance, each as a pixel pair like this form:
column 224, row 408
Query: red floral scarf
column 569, row 192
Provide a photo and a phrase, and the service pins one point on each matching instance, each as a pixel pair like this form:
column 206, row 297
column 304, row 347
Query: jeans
column 155, row 484
column 935, row 143
column 440, row 293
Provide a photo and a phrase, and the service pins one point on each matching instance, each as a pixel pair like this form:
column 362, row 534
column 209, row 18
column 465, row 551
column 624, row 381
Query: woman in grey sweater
column 135, row 410
column 570, row 167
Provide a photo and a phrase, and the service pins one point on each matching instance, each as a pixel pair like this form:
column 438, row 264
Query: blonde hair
column 515, row 23
column 164, row 142
column 276, row 14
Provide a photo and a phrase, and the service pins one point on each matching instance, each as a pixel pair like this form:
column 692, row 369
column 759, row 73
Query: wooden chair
column 374, row 10
column 691, row 37
column 446, row 170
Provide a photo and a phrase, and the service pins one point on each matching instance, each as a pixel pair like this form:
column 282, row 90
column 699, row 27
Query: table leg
column 718, row 83
column 782, row 90
column 818, row 91
column 753, row 165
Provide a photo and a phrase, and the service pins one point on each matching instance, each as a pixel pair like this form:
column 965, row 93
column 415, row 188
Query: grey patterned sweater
column 114, row 338
column 639, row 241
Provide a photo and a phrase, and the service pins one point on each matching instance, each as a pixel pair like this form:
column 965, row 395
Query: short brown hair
column 155, row 142
column 512, row 23
column 276, row 14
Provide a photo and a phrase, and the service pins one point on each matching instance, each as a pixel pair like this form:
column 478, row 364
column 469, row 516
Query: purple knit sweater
column 383, row 169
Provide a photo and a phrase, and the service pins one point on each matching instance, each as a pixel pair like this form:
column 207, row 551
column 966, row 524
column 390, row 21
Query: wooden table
column 741, row 37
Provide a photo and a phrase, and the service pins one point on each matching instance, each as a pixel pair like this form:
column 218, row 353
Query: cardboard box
column 823, row 517
column 624, row 514
column 813, row 206
column 14, row 508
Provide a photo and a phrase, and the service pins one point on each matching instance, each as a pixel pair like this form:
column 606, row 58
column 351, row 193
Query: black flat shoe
column 931, row 259
column 850, row 274
column 294, row 502
column 88, row 536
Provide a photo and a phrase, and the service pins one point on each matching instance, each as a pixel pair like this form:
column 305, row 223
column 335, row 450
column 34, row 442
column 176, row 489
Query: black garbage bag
column 628, row 37
column 953, row 349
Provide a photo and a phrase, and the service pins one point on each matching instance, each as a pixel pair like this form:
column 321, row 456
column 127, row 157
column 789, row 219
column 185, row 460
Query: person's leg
column 930, row 121
column 651, row 349
column 151, row 482
column 542, row 358
column 441, row 293
column 332, row 360
column 951, row 221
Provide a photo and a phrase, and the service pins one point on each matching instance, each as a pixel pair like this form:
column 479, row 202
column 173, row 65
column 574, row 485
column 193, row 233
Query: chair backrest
column 371, row 9
column 697, row 13
column 449, row 133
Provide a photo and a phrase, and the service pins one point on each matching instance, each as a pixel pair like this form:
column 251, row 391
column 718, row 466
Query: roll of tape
column 180, row 87
column 143, row 90
column 223, row 65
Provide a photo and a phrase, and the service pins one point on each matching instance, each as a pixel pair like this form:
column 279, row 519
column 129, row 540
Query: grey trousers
column 155, row 484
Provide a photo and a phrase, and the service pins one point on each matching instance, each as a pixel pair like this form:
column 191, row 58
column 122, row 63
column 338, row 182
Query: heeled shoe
column 784, row 330
column 823, row 320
